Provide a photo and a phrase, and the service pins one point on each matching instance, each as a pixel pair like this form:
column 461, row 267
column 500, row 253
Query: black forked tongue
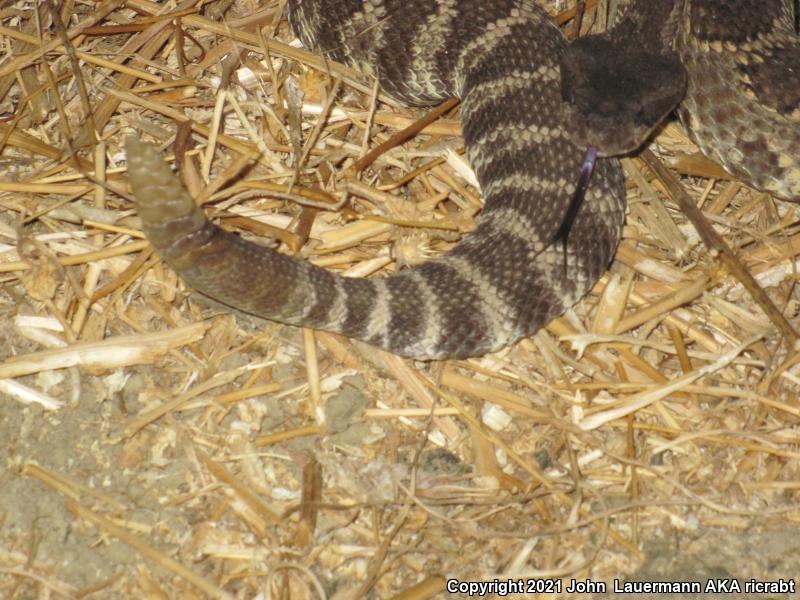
column 587, row 168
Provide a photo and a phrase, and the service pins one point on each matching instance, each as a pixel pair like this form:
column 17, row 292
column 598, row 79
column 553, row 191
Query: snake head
column 616, row 95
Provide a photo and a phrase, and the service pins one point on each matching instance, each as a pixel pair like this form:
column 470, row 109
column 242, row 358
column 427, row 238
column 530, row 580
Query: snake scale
column 529, row 105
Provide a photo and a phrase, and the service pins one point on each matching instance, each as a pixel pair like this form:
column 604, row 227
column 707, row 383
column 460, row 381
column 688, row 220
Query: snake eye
column 567, row 90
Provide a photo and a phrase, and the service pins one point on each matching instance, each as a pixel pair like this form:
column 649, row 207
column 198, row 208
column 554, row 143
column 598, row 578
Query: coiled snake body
column 504, row 59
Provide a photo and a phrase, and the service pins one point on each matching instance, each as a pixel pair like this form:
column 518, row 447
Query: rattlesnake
column 523, row 132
